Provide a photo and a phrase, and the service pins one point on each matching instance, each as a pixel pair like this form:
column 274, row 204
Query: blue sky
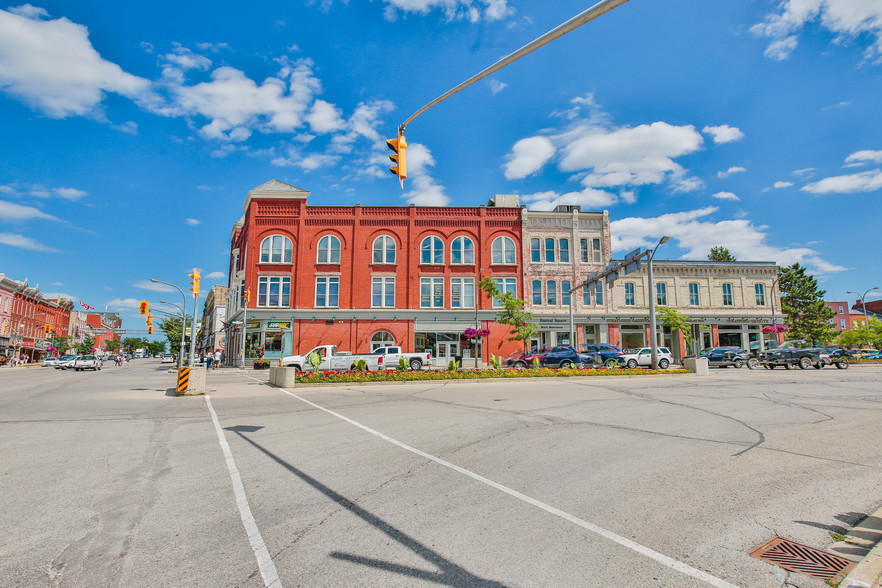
column 133, row 131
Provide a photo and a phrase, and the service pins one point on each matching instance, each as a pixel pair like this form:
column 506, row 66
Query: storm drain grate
column 795, row 557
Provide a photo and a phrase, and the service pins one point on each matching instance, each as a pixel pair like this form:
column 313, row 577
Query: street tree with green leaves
column 862, row 334
column 720, row 254
column 155, row 347
column 87, row 346
column 132, row 343
column 112, row 345
column 675, row 321
column 171, row 326
column 512, row 313
column 803, row 304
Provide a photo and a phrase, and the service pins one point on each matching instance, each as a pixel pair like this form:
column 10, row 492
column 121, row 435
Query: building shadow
column 447, row 573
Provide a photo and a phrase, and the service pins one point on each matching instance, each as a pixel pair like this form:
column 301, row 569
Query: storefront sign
column 278, row 325
column 254, row 325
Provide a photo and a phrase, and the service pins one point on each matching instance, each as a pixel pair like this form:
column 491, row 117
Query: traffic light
column 149, row 319
column 144, row 307
column 247, row 295
column 149, row 329
column 194, row 283
column 46, row 328
column 399, row 146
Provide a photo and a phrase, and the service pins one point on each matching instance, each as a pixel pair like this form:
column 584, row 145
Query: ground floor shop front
column 444, row 335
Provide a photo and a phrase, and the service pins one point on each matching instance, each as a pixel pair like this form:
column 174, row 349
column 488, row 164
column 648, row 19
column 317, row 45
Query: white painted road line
column 264, row 561
column 623, row 541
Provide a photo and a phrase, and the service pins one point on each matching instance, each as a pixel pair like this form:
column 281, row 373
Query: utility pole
column 653, row 345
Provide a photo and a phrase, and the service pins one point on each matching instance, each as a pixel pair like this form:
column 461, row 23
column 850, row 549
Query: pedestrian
column 217, row 358
column 208, row 359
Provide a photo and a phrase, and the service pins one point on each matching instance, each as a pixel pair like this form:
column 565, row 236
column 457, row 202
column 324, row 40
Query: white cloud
column 124, row 304
column 51, row 66
column 730, row 171
column 192, row 221
column 57, row 284
column 695, row 233
column 28, row 11
column 11, row 212
column 780, row 185
column 424, row 190
column 153, row 286
column 588, row 199
column 864, row 156
column 129, row 127
column 23, row 242
column 215, row 276
column 845, row 18
column 868, row 181
column 496, row 86
column 528, row 156
column 70, row 193
column 471, row 10
column 807, row 171
column 725, row 196
column 723, row 133
column 324, row 117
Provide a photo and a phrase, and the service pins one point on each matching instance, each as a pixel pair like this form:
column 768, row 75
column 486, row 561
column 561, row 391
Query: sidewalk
column 865, row 538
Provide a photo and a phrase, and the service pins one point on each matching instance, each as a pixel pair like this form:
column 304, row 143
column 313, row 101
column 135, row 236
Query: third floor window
column 329, row 250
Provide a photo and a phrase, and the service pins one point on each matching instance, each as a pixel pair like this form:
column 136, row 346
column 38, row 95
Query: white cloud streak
column 22, row 242
column 723, row 133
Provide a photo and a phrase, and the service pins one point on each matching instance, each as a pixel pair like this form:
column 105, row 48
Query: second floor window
column 551, row 292
column 535, row 250
column 505, row 285
column 661, row 291
column 760, row 291
column 329, row 250
column 598, row 293
column 432, row 251
column 503, row 251
column 327, row 292
column 273, row 291
column 564, row 249
column 565, row 292
column 274, row 249
column 693, row 294
column 629, row 293
column 384, row 249
column 432, row 292
column 383, row 292
column 462, row 251
column 727, row 295
column 536, row 286
column 462, row 292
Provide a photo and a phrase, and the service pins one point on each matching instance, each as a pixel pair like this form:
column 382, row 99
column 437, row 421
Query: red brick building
column 31, row 312
column 360, row 277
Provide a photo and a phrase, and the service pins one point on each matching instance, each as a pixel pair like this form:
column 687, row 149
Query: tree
column 675, row 321
column 863, row 334
column 803, row 304
column 156, row 347
column 62, row 344
column 512, row 313
column 112, row 345
column 132, row 343
column 87, row 346
column 720, row 254
column 171, row 326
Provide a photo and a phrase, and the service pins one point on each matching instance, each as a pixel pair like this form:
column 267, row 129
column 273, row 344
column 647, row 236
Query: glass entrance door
column 445, row 351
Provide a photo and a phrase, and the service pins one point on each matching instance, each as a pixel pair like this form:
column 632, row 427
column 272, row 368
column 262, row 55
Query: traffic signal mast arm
column 588, row 15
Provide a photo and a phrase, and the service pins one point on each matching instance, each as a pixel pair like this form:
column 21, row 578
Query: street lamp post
column 183, row 329
column 653, row 346
column 183, row 322
column 864, row 306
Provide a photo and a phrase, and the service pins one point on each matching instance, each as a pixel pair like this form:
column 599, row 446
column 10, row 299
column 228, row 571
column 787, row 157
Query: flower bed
column 342, row 377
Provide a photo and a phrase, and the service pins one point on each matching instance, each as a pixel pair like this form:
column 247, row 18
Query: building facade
column 361, row 277
column 213, row 320
column 34, row 320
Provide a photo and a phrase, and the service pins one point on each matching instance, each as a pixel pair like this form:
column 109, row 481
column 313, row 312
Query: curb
column 868, row 571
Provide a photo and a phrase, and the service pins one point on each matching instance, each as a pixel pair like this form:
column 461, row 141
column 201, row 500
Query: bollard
column 191, row 380
column 698, row 365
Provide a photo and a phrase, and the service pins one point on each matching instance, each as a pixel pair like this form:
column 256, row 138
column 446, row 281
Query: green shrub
column 535, row 362
column 452, row 366
column 402, row 365
column 495, row 362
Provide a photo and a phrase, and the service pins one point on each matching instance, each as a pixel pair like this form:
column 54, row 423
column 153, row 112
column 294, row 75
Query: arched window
column 432, row 251
column 275, row 249
column 462, row 251
column 382, row 339
column 384, row 249
column 329, row 249
column 503, row 251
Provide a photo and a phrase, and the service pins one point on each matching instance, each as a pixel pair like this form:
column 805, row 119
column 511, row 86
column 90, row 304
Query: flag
column 86, row 306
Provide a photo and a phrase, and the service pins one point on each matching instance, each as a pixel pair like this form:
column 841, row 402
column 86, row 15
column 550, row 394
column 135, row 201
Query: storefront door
column 445, row 351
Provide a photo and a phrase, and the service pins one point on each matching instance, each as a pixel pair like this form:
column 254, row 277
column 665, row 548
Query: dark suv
column 610, row 355
column 562, row 356
column 726, row 356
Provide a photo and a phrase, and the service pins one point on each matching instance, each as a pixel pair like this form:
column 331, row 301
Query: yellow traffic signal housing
column 247, row 295
column 194, row 284
column 144, row 307
column 399, row 146
column 149, row 329
column 46, row 328
column 149, row 319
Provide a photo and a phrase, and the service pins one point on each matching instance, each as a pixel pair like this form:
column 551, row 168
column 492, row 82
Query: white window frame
column 328, row 282
column 434, row 250
column 759, row 290
column 326, row 250
column 536, row 250
column 466, row 251
column 505, row 285
column 386, row 299
column 466, row 289
column 661, row 293
column 696, row 295
column 633, row 294
column 563, row 250
column 536, row 292
column 503, row 251
column 268, row 249
column 430, row 294
column 728, row 295
column 386, row 247
column 551, row 292
column 265, row 287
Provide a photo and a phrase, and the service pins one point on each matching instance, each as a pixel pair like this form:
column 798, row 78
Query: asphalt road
column 107, row 479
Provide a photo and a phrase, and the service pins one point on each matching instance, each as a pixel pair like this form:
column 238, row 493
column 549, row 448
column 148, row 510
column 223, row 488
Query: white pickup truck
column 333, row 359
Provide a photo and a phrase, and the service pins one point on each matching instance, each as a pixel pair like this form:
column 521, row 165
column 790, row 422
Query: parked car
column 611, row 355
column 86, row 362
column 833, row 356
column 726, row 356
column 65, row 361
column 643, row 357
column 562, row 356
column 49, row 361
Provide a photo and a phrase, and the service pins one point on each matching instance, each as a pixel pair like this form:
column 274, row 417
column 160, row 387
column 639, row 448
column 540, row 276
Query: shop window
column 381, row 339
column 384, row 249
column 328, row 250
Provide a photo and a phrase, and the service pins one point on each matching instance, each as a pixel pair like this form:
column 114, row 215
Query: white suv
column 642, row 357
